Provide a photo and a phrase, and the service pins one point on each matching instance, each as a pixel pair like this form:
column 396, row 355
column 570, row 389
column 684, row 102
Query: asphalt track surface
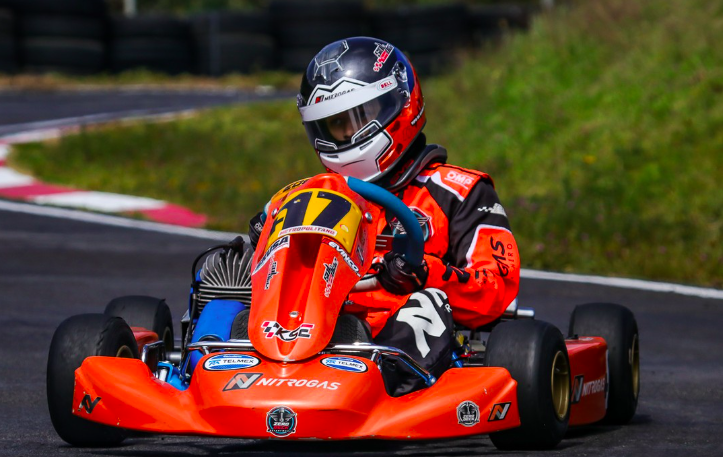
column 52, row 268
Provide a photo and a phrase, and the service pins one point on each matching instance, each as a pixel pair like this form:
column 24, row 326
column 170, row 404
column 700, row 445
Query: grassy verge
column 602, row 127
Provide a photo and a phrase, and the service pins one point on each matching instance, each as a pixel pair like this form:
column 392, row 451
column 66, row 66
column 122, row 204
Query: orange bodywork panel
column 328, row 403
column 588, row 377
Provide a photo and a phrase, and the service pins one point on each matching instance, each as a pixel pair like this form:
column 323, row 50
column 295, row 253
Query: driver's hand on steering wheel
column 400, row 277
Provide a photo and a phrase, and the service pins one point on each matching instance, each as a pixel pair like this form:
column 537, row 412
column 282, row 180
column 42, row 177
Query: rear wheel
column 148, row 312
column 617, row 325
column 75, row 339
column 535, row 354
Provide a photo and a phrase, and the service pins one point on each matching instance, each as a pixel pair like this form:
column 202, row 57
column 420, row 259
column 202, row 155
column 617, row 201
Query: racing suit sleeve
column 481, row 271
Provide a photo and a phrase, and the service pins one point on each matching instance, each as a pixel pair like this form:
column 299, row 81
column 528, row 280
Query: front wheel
column 535, row 354
column 148, row 312
column 75, row 339
column 617, row 325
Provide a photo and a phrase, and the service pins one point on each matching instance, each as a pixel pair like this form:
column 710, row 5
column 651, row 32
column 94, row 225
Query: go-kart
column 268, row 349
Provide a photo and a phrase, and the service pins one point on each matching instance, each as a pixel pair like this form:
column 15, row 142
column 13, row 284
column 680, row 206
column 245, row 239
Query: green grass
column 603, row 128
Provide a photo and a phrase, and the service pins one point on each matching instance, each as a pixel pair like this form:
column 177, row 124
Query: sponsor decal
column 327, row 60
column 382, row 51
column 242, row 381
column 226, row 362
column 499, row 412
column 274, row 329
column 344, row 256
column 345, row 364
column 424, row 223
column 461, row 179
column 275, row 246
column 272, row 272
column 88, row 404
column 577, row 388
column 496, row 209
column 418, row 116
column 281, row 421
column 344, row 86
column 499, row 248
column 329, row 273
column 291, row 382
column 467, row 413
column 385, row 84
column 308, row 229
column 593, row 387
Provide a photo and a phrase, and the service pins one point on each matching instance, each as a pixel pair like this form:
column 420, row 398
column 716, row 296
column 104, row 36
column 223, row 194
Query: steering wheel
column 410, row 245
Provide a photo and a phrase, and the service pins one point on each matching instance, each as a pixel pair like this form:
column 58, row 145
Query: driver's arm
column 481, row 271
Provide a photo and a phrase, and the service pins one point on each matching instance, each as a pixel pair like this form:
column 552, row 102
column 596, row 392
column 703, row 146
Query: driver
column 363, row 110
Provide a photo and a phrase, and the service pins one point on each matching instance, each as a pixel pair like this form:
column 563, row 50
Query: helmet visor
column 341, row 130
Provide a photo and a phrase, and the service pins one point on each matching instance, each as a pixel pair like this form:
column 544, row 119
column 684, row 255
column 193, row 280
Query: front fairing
column 316, row 244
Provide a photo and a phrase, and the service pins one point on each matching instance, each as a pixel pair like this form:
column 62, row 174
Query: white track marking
column 100, row 201
column 11, row 178
column 114, row 221
column 624, row 283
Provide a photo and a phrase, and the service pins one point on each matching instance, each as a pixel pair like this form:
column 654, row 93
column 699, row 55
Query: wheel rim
column 635, row 364
column 124, row 352
column 560, row 381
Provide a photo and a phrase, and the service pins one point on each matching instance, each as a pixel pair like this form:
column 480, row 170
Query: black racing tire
column 349, row 330
column 617, row 325
column 75, row 55
column 167, row 55
column 535, row 354
column 316, row 33
column 152, row 26
column 8, row 60
column 93, row 8
column 235, row 53
column 232, row 22
column 147, row 312
column 240, row 326
column 294, row 11
column 7, row 23
column 76, row 338
column 45, row 25
column 297, row 59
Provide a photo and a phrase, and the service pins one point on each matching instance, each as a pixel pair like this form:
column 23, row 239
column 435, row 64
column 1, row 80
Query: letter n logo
column 499, row 411
column 88, row 404
column 577, row 388
column 242, row 381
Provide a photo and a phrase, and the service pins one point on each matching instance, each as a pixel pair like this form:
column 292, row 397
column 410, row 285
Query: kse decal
column 274, row 329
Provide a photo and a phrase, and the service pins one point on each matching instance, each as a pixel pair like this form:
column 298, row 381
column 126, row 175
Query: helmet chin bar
column 363, row 157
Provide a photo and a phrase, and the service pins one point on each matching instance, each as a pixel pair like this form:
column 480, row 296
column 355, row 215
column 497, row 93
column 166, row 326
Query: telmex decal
column 311, row 383
column 345, row 364
column 225, row 362
column 275, row 246
column 346, row 257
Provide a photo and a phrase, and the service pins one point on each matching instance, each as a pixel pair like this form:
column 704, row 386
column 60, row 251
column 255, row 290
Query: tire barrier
column 301, row 29
column 7, row 42
column 156, row 43
column 79, row 36
column 233, row 42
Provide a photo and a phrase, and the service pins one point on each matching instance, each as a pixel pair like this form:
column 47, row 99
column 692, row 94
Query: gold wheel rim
column 635, row 364
column 560, row 382
column 124, row 352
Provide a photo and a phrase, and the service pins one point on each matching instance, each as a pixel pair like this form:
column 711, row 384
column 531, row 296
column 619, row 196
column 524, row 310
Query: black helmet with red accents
column 362, row 107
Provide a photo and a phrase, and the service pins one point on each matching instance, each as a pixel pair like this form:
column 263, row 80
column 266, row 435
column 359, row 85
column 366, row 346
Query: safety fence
column 81, row 37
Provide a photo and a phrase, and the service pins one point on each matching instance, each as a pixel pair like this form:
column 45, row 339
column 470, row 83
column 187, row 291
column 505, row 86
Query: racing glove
column 400, row 277
column 256, row 224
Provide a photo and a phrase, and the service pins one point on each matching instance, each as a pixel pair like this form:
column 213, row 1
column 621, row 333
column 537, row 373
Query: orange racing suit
column 469, row 247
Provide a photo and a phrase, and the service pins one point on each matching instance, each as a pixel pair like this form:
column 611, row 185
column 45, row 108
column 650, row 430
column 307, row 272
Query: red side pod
column 588, row 377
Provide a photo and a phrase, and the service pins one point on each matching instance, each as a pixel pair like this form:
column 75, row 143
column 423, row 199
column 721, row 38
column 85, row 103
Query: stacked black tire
column 66, row 36
column 302, row 28
column 491, row 22
column 156, row 43
column 428, row 34
column 7, row 40
column 233, row 42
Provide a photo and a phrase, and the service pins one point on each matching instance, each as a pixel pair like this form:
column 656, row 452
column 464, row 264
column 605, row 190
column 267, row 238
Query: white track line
column 227, row 236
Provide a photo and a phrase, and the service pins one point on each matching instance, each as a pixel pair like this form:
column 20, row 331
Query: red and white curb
column 17, row 186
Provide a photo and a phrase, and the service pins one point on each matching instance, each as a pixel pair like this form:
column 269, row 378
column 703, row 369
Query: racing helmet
column 362, row 107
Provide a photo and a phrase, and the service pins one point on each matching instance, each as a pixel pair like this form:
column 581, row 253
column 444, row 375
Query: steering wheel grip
column 411, row 245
